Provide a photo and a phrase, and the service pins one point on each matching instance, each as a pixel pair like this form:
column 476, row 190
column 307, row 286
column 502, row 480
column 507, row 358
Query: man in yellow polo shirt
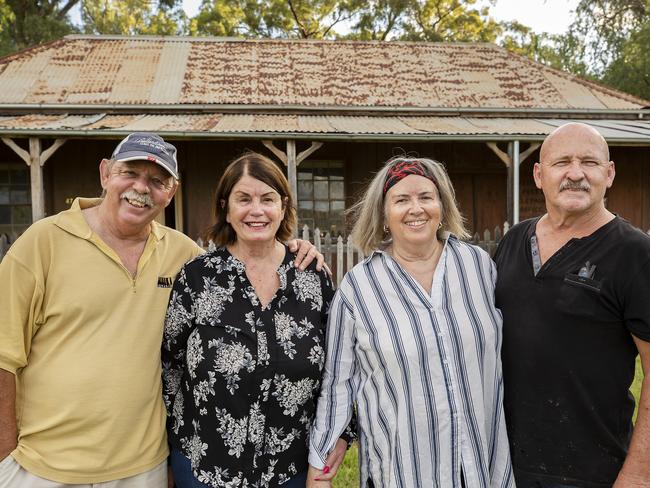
column 81, row 312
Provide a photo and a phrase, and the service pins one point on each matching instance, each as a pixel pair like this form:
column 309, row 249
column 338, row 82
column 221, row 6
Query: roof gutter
column 163, row 109
column 118, row 134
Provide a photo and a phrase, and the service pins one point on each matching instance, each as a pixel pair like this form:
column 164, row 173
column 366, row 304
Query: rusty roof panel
column 234, row 123
column 191, row 123
column 315, row 124
column 96, row 79
column 637, row 131
column 113, row 122
column 370, row 125
column 609, row 99
column 73, row 121
column 19, row 77
column 170, row 73
column 576, row 95
column 149, row 123
column 134, row 80
column 144, row 70
column 36, row 121
column 441, row 125
column 275, row 123
column 62, row 71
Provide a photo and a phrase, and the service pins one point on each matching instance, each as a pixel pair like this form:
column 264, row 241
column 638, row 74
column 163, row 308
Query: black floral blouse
column 239, row 380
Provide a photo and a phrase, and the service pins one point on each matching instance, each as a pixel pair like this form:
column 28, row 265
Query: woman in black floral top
column 243, row 343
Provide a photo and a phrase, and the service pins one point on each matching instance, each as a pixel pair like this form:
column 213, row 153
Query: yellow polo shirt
column 83, row 338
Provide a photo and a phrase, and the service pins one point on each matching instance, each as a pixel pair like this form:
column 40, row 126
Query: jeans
column 183, row 477
column 182, row 469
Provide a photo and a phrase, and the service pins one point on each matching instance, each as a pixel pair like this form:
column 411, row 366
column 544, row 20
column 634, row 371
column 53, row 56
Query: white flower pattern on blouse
column 239, row 380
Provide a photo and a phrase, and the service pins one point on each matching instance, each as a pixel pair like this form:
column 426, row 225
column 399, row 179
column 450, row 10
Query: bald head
column 561, row 139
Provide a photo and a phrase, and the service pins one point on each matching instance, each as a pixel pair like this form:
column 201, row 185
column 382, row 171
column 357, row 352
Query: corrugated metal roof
column 191, row 71
column 316, row 127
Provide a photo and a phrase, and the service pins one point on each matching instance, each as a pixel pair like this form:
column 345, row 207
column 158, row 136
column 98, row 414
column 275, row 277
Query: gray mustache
column 140, row 197
column 573, row 185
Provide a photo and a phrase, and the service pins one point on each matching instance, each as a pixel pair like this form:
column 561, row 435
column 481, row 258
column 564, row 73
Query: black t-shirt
column 568, row 354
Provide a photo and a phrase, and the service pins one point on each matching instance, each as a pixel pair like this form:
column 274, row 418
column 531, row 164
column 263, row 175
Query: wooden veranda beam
column 35, row 159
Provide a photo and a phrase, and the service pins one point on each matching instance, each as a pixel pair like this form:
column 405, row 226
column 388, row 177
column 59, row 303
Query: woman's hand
column 333, row 461
column 312, row 479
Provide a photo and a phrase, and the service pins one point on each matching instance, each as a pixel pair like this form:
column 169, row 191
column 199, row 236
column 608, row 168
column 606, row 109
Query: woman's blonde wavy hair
column 368, row 215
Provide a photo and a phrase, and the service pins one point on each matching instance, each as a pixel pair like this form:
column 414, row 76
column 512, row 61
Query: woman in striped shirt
column 413, row 344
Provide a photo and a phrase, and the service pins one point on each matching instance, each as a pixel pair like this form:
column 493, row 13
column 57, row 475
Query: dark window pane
column 22, row 214
column 4, row 176
column 302, row 175
column 320, row 190
column 19, row 176
column 305, row 189
column 20, row 196
column 322, row 206
column 4, row 195
column 5, row 215
column 305, row 204
column 336, row 189
column 337, row 205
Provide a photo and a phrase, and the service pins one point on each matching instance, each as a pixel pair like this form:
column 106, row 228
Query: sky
column 552, row 16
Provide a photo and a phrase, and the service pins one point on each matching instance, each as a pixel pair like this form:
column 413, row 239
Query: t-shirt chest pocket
column 581, row 296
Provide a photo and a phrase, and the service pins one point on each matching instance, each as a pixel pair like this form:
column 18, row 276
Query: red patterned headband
column 402, row 169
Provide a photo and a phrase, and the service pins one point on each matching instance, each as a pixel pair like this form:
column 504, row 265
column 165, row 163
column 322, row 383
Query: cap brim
column 143, row 156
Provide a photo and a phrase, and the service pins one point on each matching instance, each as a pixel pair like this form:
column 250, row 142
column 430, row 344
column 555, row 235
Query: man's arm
column 8, row 429
column 636, row 469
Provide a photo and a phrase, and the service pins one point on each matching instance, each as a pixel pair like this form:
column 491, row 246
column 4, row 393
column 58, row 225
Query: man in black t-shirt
column 574, row 290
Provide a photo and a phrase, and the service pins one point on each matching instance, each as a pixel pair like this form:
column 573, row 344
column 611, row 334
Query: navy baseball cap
column 147, row 147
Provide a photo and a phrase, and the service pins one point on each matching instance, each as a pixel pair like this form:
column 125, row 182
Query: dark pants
column 524, row 481
column 183, row 477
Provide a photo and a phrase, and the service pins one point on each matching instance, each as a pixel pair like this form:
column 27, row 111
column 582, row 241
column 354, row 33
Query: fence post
column 305, row 232
column 488, row 244
column 328, row 248
column 350, row 258
column 317, row 242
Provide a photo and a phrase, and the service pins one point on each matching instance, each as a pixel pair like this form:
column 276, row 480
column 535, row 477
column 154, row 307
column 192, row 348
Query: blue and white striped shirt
column 424, row 371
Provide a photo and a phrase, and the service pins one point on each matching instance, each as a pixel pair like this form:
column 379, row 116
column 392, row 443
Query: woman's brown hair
column 261, row 168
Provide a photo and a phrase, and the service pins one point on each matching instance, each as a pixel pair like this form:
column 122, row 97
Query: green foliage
column 306, row 19
column 630, row 69
column 610, row 40
column 25, row 23
column 421, row 20
column 449, row 20
column 132, row 17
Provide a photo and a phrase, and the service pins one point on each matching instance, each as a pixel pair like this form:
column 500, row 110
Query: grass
column 348, row 475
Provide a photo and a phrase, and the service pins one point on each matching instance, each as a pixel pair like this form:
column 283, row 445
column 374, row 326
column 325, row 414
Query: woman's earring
column 440, row 225
column 386, row 231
